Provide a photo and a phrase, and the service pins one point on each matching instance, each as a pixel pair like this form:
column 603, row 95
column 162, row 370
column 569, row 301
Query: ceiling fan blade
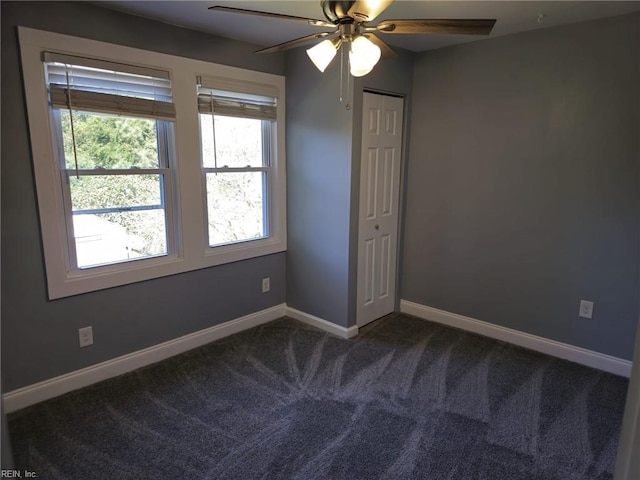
column 367, row 10
column 309, row 21
column 385, row 50
column 451, row 26
column 294, row 43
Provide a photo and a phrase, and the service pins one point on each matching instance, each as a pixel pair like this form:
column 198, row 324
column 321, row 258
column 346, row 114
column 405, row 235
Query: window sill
column 109, row 276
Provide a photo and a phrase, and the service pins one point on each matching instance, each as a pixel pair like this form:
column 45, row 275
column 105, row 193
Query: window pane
column 108, row 141
column 115, row 191
column 235, row 205
column 238, row 141
column 118, row 237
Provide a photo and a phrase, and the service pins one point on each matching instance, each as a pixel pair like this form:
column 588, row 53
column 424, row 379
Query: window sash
column 169, row 233
column 266, row 202
column 264, row 199
column 125, row 251
column 163, row 174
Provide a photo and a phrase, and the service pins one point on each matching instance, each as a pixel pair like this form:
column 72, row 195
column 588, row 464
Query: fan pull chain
column 341, row 69
column 73, row 131
column 347, row 106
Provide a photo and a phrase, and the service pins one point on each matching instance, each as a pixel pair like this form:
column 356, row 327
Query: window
column 236, row 134
column 141, row 174
column 113, row 134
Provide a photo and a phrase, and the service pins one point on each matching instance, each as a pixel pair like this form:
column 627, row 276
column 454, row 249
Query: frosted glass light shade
column 322, row 54
column 363, row 56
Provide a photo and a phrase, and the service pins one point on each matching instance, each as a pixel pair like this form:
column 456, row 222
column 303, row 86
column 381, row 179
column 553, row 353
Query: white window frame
column 268, row 132
column 192, row 251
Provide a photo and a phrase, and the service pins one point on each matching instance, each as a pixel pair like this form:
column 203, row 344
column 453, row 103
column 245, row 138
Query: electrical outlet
column 586, row 309
column 266, row 284
column 86, row 336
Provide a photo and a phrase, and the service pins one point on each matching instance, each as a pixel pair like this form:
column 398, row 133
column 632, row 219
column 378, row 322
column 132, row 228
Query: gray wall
column 523, row 182
column 319, row 137
column 39, row 337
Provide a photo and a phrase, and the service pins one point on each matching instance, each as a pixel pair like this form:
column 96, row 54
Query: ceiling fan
column 348, row 21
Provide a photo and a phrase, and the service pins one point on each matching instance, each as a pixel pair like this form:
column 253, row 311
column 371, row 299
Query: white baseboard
column 38, row 392
column 322, row 324
column 580, row 355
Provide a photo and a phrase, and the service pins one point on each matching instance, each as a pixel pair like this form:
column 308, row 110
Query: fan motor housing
column 337, row 11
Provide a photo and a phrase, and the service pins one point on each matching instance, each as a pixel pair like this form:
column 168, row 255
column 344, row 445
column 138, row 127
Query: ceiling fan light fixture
column 363, row 56
column 322, row 53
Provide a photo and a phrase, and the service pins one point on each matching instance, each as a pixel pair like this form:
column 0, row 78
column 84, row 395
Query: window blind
column 232, row 107
column 239, row 102
column 108, row 87
column 240, row 86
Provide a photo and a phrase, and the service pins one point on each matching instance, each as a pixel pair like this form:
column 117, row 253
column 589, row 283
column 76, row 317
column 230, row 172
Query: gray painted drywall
column 319, row 136
column 522, row 193
column 39, row 337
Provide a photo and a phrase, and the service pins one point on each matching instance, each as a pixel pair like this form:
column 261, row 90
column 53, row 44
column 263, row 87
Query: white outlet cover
column 586, row 309
column 85, row 336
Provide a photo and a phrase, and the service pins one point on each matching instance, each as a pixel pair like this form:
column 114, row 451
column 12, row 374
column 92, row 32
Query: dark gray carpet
column 406, row 399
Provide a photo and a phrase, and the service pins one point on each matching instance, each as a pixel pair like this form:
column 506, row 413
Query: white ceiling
column 512, row 17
